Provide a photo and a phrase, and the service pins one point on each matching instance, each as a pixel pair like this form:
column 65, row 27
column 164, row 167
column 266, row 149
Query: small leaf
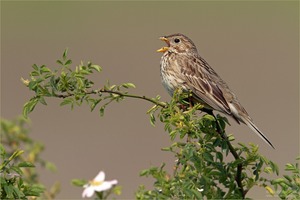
column 35, row 67
column 65, row 54
column 34, row 73
column 208, row 157
column 128, row 85
column 67, row 101
column 29, row 106
column 45, row 69
column 96, row 67
column 68, row 62
column 152, row 119
column 101, row 111
column 16, row 169
column 209, row 117
column 9, row 191
column 25, row 164
column 219, row 156
column 270, row 190
column 288, row 178
column 117, row 190
column 59, row 62
column 289, row 167
column 17, row 193
column 274, row 167
column 42, row 101
column 79, row 182
column 51, row 166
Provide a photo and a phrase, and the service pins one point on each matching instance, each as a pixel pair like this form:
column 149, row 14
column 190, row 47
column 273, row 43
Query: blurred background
column 253, row 46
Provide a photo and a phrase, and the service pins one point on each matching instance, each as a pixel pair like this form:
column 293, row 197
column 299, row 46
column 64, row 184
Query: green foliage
column 12, row 183
column 72, row 85
column 288, row 186
column 207, row 165
column 19, row 178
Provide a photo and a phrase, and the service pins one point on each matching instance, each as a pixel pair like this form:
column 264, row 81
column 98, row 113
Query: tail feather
column 251, row 125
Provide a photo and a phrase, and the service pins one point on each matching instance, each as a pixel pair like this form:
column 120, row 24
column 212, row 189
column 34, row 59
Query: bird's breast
column 170, row 73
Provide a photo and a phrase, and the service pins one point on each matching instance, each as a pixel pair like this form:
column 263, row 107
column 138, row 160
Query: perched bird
column 182, row 66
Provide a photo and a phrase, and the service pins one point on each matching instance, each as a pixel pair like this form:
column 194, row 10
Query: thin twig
column 161, row 104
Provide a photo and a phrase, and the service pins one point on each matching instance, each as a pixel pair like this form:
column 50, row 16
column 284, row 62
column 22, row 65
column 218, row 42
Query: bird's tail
column 251, row 125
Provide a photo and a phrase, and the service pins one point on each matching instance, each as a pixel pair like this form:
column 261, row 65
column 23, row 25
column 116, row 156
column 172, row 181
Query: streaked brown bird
column 182, row 66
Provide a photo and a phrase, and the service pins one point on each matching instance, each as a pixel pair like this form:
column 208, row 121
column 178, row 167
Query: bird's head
column 178, row 43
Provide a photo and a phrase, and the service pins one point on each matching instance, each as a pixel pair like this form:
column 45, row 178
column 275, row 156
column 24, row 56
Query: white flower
column 97, row 184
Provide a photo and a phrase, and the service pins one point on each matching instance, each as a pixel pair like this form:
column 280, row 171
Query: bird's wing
column 203, row 81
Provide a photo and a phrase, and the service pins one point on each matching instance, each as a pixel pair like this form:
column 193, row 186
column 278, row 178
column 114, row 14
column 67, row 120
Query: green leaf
column 117, row 190
column 35, row 67
column 101, row 111
column 67, row 101
column 289, row 167
column 208, row 157
column 59, row 62
column 29, row 106
column 32, row 85
column 42, row 101
column 34, row 73
column 51, row 166
column 128, row 85
column 288, row 178
column 17, row 193
column 274, row 167
column 25, row 164
column 44, row 69
column 96, row 67
column 65, row 54
column 219, row 156
column 35, row 190
column 9, row 191
column 68, row 62
column 152, row 119
column 79, row 182
column 209, row 117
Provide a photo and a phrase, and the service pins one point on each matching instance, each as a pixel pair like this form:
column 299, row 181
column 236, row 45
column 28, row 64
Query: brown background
column 254, row 46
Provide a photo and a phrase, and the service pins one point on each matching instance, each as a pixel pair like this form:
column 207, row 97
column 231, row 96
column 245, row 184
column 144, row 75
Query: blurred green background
column 253, row 45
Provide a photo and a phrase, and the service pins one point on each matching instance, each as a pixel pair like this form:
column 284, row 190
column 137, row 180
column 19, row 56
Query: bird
column 182, row 67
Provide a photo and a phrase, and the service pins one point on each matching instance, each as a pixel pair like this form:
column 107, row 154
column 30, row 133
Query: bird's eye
column 176, row 40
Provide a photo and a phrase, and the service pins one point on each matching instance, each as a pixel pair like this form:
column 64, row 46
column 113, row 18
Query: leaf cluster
column 11, row 180
column 287, row 187
column 72, row 85
column 19, row 177
column 204, row 165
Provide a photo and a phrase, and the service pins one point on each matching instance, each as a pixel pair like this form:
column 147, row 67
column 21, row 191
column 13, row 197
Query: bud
column 25, row 81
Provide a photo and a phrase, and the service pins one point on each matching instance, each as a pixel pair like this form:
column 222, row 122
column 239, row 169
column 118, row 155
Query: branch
column 161, row 104
column 238, row 177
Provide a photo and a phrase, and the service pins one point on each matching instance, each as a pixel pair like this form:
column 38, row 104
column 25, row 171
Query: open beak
column 164, row 49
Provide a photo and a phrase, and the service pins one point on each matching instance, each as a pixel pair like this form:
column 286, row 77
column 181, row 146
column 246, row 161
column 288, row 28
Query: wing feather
column 200, row 78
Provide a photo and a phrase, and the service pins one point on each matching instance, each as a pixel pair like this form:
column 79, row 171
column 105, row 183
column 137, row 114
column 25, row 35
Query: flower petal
column 106, row 185
column 100, row 177
column 113, row 182
column 88, row 192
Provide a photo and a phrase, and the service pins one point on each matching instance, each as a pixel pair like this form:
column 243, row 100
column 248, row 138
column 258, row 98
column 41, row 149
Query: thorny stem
column 238, row 177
